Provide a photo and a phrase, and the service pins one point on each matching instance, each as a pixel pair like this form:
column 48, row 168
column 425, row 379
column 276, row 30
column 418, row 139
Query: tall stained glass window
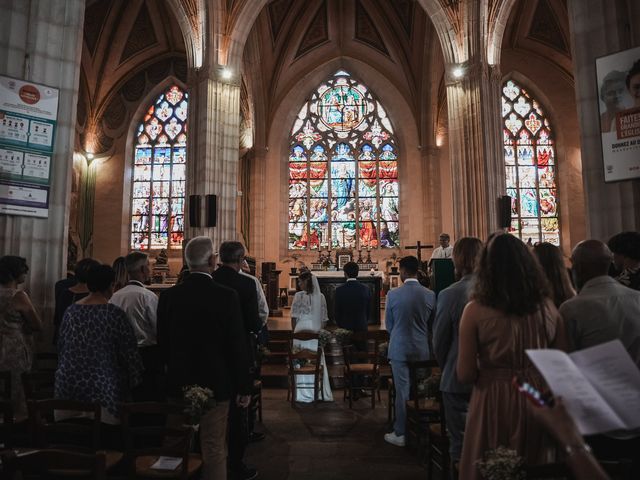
column 343, row 170
column 157, row 210
column 530, row 163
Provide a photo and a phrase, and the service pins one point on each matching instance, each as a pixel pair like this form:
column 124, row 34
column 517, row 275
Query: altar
column 330, row 280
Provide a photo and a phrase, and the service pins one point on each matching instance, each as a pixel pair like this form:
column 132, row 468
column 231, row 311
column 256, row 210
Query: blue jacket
column 407, row 315
column 451, row 303
column 352, row 306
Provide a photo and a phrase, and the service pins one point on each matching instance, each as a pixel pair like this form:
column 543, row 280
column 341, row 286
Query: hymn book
column 600, row 385
column 167, row 463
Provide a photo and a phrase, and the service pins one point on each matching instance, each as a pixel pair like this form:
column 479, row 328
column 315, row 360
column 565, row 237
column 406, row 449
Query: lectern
column 271, row 277
column 442, row 274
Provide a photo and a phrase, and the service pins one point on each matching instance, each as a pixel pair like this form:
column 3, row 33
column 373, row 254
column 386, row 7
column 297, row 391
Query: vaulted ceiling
column 291, row 38
column 129, row 46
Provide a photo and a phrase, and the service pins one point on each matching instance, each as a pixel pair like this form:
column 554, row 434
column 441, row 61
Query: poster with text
column 28, row 116
column 618, row 77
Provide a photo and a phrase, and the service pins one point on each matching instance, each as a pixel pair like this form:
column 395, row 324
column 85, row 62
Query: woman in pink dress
column 510, row 311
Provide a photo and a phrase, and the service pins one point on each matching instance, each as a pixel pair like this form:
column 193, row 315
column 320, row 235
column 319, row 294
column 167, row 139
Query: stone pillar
column 42, row 43
column 601, row 27
column 213, row 151
column 475, row 149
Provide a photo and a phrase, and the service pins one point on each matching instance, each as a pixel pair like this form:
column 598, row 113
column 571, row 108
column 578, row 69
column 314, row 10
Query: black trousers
column 238, row 433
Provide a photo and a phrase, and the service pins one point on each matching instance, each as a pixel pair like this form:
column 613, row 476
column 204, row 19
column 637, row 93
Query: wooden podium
column 442, row 274
column 271, row 277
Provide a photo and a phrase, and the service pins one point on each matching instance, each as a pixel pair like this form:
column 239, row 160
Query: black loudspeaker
column 195, row 206
column 211, row 210
column 505, row 211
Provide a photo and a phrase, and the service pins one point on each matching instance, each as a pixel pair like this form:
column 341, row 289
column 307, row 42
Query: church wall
column 276, row 152
column 41, row 42
column 554, row 89
column 598, row 28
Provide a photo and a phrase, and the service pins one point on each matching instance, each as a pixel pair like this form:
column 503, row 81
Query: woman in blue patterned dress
column 18, row 320
column 98, row 353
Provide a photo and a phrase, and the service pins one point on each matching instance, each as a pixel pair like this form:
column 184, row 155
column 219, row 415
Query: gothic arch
column 278, row 138
column 134, row 121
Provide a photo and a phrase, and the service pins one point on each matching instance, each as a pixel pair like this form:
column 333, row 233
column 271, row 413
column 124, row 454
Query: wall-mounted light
column 90, row 156
column 226, row 74
column 457, row 72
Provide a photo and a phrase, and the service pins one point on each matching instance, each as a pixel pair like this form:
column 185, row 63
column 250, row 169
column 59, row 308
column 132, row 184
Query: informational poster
column 28, row 116
column 618, row 77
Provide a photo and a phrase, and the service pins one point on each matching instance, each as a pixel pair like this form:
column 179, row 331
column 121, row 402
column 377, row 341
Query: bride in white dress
column 309, row 314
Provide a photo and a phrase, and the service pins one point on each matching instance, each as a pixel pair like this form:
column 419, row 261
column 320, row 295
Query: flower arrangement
column 299, row 362
column 341, row 335
column 501, row 464
column 197, row 401
column 429, row 386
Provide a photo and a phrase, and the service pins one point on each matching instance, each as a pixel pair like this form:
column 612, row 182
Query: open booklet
column 599, row 385
column 167, row 463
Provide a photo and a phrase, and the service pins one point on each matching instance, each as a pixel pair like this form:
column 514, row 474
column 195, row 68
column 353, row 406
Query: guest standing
column 309, row 314
column 451, row 303
column 407, row 316
column 120, row 267
column 203, row 342
column 18, row 321
column 626, row 258
column 141, row 305
column 510, row 311
column 70, row 290
column 232, row 255
column 98, row 355
column 552, row 263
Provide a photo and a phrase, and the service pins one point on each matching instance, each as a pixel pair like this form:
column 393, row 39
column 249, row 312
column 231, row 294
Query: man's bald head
column 590, row 259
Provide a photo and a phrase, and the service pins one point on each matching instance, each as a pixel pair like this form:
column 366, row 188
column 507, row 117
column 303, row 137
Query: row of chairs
column 73, row 447
column 359, row 369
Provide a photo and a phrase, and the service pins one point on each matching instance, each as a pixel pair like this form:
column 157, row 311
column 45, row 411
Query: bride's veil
column 316, row 302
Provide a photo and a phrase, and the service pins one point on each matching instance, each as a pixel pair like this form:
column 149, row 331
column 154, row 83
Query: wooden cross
column 419, row 248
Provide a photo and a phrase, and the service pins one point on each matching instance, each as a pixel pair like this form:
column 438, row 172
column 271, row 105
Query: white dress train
column 310, row 321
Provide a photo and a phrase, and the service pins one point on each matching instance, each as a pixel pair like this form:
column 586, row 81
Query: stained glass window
column 157, row 210
column 530, row 163
column 343, row 170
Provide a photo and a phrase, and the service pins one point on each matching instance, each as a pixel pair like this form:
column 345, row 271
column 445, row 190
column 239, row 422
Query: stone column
column 601, row 27
column 41, row 42
column 475, row 149
column 213, row 151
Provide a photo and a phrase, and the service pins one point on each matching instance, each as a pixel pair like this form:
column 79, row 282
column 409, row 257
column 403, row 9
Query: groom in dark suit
column 352, row 301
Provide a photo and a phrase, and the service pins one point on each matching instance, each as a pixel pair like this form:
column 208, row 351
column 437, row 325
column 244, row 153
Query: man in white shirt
column 141, row 306
column 444, row 250
column 263, row 306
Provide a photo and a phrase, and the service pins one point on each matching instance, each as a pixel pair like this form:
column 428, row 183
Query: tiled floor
column 328, row 442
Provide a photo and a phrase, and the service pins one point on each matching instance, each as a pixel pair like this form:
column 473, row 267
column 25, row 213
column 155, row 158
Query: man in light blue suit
column 451, row 303
column 407, row 315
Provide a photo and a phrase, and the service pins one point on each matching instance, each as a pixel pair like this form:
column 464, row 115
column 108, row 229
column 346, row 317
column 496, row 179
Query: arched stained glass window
column 343, row 170
column 157, row 210
column 530, row 163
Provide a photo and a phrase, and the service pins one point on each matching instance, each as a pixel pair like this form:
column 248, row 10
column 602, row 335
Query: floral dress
column 16, row 350
column 98, row 357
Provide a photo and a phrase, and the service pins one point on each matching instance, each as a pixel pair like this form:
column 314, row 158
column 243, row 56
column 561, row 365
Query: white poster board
column 28, row 117
column 618, row 78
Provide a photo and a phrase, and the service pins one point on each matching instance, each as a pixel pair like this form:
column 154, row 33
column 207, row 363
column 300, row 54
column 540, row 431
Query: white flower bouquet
column 197, row 401
column 501, row 464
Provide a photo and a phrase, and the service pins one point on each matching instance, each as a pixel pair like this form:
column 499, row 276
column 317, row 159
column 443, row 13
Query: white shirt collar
column 411, row 280
column 136, row 283
column 352, row 279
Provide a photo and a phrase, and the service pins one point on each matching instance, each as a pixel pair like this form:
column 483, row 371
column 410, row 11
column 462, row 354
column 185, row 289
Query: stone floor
column 328, row 442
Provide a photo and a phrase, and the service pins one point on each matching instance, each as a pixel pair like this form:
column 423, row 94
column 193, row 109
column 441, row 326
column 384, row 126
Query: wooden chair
column 438, row 444
column 421, row 410
column 80, row 432
column 276, row 363
column 617, row 470
column 39, row 385
column 7, row 426
column 305, row 362
column 360, row 370
column 145, row 443
column 52, row 464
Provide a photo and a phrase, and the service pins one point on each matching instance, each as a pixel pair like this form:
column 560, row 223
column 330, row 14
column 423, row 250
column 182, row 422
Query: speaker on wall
column 211, row 210
column 195, row 206
column 505, row 211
